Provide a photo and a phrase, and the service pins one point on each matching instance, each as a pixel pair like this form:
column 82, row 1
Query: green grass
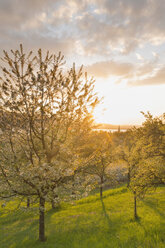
column 89, row 223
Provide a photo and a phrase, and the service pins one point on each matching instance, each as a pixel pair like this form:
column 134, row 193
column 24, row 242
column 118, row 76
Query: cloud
column 90, row 28
column 156, row 79
column 123, row 25
column 146, row 73
column 104, row 69
column 139, row 57
column 31, row 23
column 102, row 26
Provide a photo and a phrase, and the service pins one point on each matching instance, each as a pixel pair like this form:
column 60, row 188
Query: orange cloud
column 104, row 69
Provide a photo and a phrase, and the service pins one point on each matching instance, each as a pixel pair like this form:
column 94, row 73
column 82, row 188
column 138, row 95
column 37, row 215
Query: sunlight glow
column 123, row 104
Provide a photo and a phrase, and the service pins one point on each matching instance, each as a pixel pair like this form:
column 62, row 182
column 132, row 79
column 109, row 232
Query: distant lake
column 110, row 130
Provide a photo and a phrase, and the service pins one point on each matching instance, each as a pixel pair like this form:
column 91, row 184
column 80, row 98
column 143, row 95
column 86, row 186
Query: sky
column 121, row 43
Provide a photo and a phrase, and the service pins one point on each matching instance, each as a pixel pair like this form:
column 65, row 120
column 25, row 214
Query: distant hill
column 110, row 126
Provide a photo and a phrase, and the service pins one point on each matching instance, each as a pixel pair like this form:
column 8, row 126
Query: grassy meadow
column 89, row 223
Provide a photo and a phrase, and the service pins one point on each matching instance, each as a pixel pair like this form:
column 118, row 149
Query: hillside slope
column 89, row 223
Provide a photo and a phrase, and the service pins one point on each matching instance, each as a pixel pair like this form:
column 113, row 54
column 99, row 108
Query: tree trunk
column 53, row 204
column 101, row 192
column 135, row 207
column 42, row 220
column 101, row 188
column 28, row 202
column 129, row 177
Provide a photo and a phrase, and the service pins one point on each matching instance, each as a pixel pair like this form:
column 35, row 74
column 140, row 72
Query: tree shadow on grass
column 81, row 226
column 136, row 220
column 26, row 231
column 152, row 204
column 52, row 211
column 105, row 213
column 22, row 234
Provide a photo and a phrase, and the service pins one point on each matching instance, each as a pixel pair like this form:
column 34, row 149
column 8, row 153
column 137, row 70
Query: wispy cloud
column 92, row 28
column 146, row 73
column 156, row 79
column 105, row 69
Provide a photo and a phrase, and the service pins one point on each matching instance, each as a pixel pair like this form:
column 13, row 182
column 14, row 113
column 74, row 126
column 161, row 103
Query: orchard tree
column 136, row 165
column 41, row 106
column 152, row 138
column 97, row 157
column 128, row 150
column 124, row 144
column 148, row 157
